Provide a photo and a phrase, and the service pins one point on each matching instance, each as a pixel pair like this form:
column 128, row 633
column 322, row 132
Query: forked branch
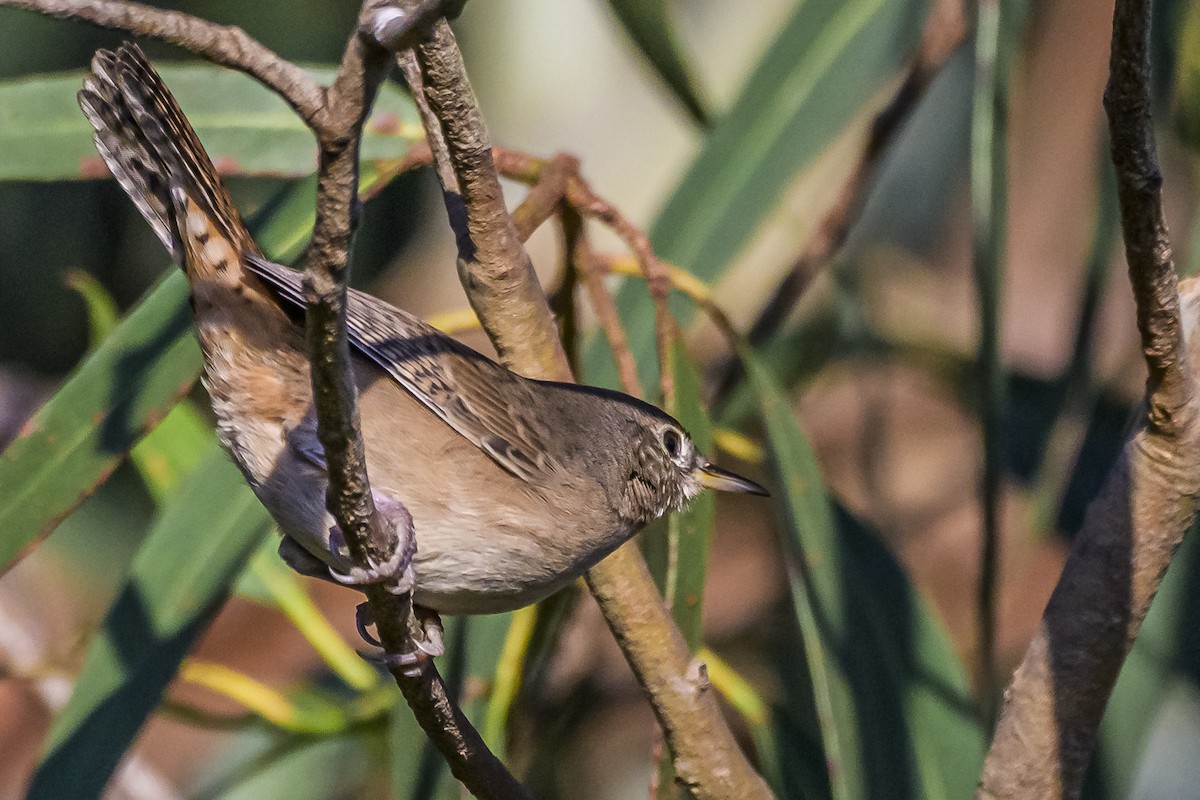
column 1052, row 710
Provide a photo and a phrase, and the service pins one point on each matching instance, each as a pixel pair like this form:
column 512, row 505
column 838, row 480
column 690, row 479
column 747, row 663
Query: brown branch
column 501, row 284
column 349, row 99
column 336, row 115
column 504, row 292
column 227, row 45
column 1053, row 706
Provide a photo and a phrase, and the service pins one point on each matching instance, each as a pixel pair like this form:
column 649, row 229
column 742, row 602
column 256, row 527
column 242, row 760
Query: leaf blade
column 246, row 128
column 176, row 582
column 893, row 705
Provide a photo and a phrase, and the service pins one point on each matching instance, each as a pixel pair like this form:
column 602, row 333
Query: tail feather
column 153, row 151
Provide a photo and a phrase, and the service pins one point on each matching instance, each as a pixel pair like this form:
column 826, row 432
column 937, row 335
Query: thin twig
column 363, row 67
column 1052, row 711
column 592, row 275
column 589, row 204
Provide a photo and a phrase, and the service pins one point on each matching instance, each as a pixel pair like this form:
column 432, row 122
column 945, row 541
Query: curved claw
column 363, row 620
column 432, row 641
column 429, row 641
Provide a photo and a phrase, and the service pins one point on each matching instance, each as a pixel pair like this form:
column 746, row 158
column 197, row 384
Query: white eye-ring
column 675, row 445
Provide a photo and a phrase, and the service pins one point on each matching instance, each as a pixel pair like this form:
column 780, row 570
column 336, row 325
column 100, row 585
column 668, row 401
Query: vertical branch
column 327, row 262
column 369, row 541
column 988, row 212
column 1052, row 710
column 505, row 294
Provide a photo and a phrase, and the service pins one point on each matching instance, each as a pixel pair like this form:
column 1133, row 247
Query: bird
column 513, row 487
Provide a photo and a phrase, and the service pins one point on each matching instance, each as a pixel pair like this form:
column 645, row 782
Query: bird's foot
column 425, row 634
column 396, row 572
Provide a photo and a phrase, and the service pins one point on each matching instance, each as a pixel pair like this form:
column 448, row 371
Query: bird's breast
column 487, row 541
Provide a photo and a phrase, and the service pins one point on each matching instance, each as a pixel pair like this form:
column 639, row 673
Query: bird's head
column 666, row 470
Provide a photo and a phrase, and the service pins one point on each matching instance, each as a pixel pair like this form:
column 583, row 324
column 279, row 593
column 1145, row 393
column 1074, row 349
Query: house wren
column 514, row 486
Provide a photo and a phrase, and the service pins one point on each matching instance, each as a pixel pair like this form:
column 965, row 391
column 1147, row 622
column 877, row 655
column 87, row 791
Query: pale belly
column 487, row 542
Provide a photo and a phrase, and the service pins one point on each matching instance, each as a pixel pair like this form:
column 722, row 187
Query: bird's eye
column 671, row 442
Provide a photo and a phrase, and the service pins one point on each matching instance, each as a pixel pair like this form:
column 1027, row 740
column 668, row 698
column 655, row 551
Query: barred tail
column 153, row 152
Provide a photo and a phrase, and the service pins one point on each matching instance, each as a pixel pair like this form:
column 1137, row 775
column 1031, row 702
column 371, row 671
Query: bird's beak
column 713, row 477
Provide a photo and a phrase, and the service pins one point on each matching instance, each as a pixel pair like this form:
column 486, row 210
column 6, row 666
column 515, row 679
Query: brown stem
column 349, row 99
column 495, row 269
column 1052, row 710
column 504, row 292
column 592, row 273
column 658, row 279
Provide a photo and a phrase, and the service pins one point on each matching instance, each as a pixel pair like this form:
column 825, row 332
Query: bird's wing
column 478, row 398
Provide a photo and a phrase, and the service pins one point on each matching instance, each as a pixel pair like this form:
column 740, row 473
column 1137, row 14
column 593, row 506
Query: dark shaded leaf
column 177, row 581
column 891, row 700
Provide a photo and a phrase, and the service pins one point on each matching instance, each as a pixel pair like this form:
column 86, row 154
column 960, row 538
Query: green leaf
column 120, row 392
column 829, row 60
column 101, row 308
column 892, row 703
column 177, row 581
column 1186, row 112
column 172, row 450
column 174, row 447
column 295, row 767
column 74, row 442
column 647, row 22
column 246, row 128
column 678, row 556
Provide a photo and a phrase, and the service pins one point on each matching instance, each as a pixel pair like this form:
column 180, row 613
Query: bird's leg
column 397, row 571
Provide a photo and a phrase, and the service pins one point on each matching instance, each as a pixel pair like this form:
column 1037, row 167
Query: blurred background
column 814, row 164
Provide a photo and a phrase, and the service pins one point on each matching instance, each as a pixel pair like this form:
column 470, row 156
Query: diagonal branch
column 1052, row 710
column 364, row 66
column 504, row 292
